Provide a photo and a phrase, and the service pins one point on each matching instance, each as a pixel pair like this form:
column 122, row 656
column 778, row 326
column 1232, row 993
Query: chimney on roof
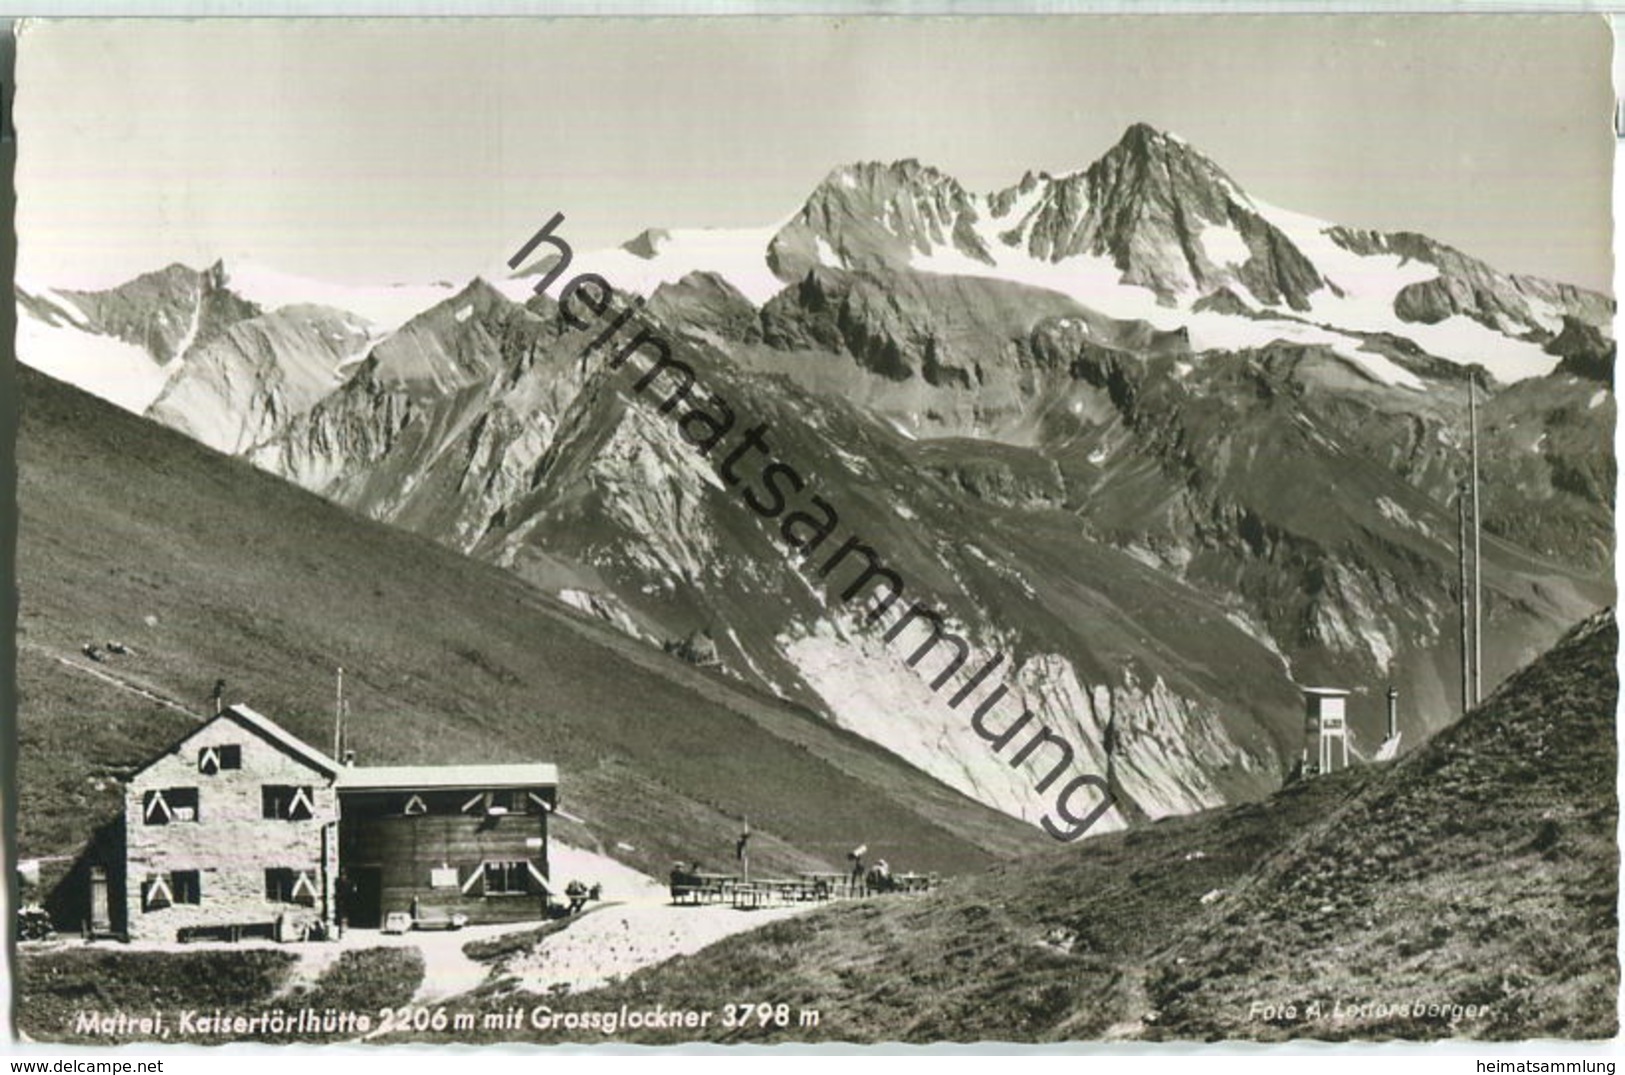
column 349, row 759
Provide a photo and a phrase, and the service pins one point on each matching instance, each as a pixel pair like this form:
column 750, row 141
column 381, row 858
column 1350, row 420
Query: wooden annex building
column 242, row 828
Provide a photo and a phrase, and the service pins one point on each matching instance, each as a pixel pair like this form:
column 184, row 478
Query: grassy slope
column 208, row 568
column 1481, row 869
column 1048, row 948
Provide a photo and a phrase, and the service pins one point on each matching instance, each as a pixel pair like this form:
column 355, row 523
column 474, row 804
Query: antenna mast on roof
column 338, row 718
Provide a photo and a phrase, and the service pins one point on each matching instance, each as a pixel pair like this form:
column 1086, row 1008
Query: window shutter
column 208, row 761
column 415, row 805
column 476, row 876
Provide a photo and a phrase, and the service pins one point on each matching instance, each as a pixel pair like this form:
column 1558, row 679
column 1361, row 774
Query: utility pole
column 1461, row 598
column 1478, row 572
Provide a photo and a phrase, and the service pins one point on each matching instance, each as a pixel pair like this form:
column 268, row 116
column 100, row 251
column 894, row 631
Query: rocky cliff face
column 166, row 312
column 246, row 383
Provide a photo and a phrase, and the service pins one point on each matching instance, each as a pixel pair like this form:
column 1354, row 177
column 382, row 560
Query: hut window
column 155, row 894
column 286, row 803
column 502, row 801
column 161, row 806
column 163, row 890
column 284, row 885
column 185, row 886
column 517, row 800
column 211, row 760
column 505, row 879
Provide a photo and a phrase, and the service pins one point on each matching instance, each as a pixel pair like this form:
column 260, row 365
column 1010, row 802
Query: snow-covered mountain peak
column 874, row 215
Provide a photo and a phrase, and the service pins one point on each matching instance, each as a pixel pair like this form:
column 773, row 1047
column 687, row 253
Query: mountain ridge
column 1135, row 423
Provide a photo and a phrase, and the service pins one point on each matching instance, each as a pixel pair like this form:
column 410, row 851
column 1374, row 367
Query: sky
column 415, row 150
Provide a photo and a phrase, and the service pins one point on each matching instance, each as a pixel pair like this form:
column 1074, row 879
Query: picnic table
column 765, row 891
column 914, row 882
column 703, row 887
column 716, row 886
column 826, row 886
column 770, row 891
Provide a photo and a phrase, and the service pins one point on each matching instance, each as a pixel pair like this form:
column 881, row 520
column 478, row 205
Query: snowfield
column 738, row 255
column 119, row 372
column 386, row 306
column 1371, row 283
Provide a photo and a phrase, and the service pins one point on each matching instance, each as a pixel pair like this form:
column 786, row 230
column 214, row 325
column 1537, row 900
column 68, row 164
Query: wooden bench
column 227, row 931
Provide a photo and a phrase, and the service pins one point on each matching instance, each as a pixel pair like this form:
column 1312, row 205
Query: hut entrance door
column 366, row 903
column 101, row 915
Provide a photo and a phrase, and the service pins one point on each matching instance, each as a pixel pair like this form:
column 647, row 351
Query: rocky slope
column 1134, row 476
column 246, row 384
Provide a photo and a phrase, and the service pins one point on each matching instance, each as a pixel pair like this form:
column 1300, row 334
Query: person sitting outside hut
column 679, row 882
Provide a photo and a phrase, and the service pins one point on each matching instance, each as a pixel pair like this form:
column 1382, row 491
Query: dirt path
column 112, row 680
column 314, row 961
column 447, row 972
column 618, row 940
column 1138, row 1004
